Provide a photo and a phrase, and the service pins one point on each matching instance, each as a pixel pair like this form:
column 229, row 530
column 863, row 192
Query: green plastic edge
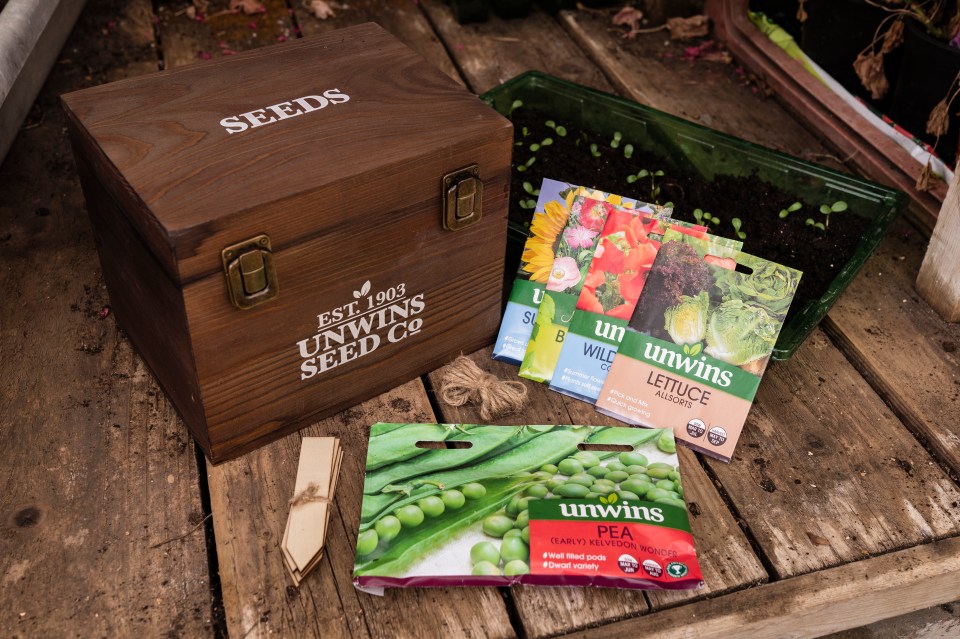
column 801, row 325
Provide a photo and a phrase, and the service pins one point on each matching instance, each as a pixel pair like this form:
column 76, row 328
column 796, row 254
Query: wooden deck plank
column 220, row 31
column 402, row 19
column 651, row 70
column 813, row 605
column 495, row 51
column 249, row 502
column 97, row 470
column 825, row 474
column 726, row 558
column 909, row 354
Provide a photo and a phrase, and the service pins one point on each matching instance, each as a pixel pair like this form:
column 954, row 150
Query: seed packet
column 697, row 346
column 614, row 282
column 554, row 200
column 549, row 505
column 578, row 242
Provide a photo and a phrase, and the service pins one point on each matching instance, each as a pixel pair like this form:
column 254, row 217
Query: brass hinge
column 462, row 198
column 251, row 275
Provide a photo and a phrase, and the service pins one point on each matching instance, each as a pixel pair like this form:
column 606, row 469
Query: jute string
column 464, row 382
column 308, row 495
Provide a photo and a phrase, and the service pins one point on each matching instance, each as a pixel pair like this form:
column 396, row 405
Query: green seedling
column 529, row 203
column 514, row 106
column 525, row 132
column 737, row 225
column 536, row 147
column 643, row 173
column 704, row 218
column 559, row 129
column 796, row 206
column 628, row 151
column 615, row 142
column 594, row 150
column 827, row 210
column 529, row 189
column 526, row 165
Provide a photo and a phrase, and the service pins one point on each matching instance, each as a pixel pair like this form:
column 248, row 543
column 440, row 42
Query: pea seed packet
column 550, row 214
column 697, row 345
column 578, row 243
column 628, row 246
column 498, row 505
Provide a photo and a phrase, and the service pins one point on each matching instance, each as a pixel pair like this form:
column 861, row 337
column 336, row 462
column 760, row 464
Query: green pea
column 626, row 494
column 575, row 491
column 675, row 476
column 453, row 499
column 674, row 494
column 657, row 493
column 515, row 568
column 630, row 458
column 485, row 551
column 671, row 501
column 615, row 465
column 513, row 548
column 617, row 476
column 679, row 490
column 497, row 525
column 525, row 534
column 636, row 486
column 661, row 465
column 591, row 495
column 410, row 516
column 485, row 569
column 367, row 542
column 634, row 469
column 387, row 527
column 513, row 532
column 514, row 506
column 431, row 506
column 587, row 458
column 525, row 503
column 537, row 490
column 473, row 491
column 666, row 442
column 597, row 471
column 657, row 473
column 570, row 466
column 549, row 468
column 582, row 478
column 553, row 483
column 542, row 476
column 640, row 477
column 604, row 482
column 665, row 484
column 604, row 489
column 523, row 519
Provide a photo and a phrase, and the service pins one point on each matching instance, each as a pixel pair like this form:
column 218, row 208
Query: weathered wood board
column 249, row 500
column 100, row 496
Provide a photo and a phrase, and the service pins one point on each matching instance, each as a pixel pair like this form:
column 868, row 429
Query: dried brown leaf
column 893, row 36
column 249, row 7
column 801, row 11
column 925, row 181
column 939, row 120
column 628, row 17
column 319, row 9
column 688, row 28
column 869, row 68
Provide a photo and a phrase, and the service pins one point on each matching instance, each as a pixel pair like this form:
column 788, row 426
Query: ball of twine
column 464, row 382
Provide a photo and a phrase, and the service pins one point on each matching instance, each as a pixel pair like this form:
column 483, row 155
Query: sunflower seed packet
column 623, row 259
column 554, row 200
column 576, row 249
column 697, row 345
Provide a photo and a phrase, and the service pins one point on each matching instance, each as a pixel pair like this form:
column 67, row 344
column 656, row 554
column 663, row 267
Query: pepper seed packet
column 578, row 244
column 614, row 282
column 554, row 200
column 549, row 505
column 697, row 345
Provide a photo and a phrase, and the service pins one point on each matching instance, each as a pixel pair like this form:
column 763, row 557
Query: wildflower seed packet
column 554, row 200
column 550, row 505
column 614, row 282
column 567, row 277
column 698, row 344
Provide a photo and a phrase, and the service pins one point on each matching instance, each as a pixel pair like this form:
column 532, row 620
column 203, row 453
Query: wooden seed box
column 287, row 232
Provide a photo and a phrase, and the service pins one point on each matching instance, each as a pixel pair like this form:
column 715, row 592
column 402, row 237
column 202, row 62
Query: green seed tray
column 711, row 153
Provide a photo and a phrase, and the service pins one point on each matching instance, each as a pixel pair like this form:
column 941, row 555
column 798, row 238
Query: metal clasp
column 251, row 276
column 462, row 198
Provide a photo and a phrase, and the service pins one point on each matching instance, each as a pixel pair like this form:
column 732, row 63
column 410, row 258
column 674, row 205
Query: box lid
column 277, row 138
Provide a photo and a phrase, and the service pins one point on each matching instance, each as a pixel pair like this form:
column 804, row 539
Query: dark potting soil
column 818, row 254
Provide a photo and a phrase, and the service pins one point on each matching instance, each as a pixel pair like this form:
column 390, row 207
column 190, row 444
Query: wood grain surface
column 939, row 277
column 100, row 496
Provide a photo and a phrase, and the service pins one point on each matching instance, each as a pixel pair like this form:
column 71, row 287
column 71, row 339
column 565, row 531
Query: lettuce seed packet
column 628, row 246
column 567, row 277
column 550, row 215
column 697, row 345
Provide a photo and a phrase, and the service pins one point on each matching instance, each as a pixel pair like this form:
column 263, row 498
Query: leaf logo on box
column 360, row 327
column 282, row 111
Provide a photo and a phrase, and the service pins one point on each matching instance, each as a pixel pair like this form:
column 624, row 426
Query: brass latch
column 251, row 276
column 462, row 198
